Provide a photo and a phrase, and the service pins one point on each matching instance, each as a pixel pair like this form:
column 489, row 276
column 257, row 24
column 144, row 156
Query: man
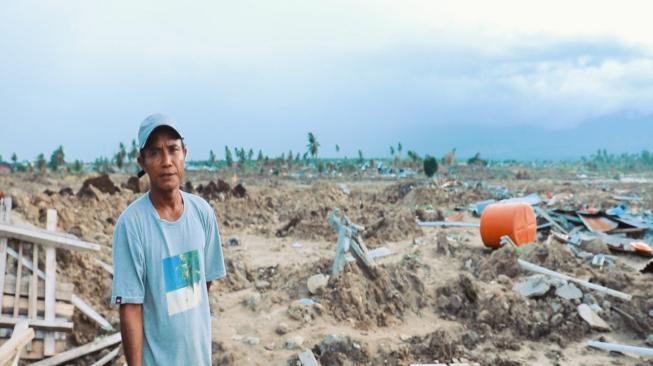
column 165, row 246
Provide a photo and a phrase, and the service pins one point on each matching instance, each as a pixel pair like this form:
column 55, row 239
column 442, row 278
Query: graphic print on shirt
column 182, row 280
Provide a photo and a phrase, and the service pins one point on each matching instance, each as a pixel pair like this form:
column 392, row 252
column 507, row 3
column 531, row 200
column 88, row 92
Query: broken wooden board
column 63, row 291
column 80, row 304
column 62, row 309
column 108, row 357
column 38, row 236
column 589, row 316
column 36, row 353
column 12, row 347
column 55, row 325
column 77, row 352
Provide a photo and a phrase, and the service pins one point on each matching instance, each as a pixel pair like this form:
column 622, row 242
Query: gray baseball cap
column 148, row 125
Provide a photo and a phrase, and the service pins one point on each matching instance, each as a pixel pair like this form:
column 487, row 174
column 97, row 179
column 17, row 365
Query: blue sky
column 362, row 74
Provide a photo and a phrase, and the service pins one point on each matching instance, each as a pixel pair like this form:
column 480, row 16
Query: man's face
column 163, row 160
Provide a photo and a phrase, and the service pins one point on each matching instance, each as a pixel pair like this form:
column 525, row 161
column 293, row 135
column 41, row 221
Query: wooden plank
column 105, row 266
column 55, row 325
column 19, row 274
column 33, row 289
column 34, row 284
column 20, row 327
column 62, row 309
column 3, row 265
column 45, row 238
column 5, row 333
column 5, row 210
column 76, row 300
column 63, row 291
column 22, row 335
column 87, row 310
column 50, row 283
column 36, row 353
column 108, row 357
column 80, row 351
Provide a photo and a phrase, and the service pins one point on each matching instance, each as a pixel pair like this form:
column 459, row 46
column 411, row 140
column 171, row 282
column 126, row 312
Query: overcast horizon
column 509, row 79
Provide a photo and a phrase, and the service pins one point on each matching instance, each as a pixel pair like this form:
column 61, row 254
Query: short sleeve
column 128, row 285
column 214, row 261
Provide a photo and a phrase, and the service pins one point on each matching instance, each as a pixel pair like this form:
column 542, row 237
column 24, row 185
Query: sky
column 508, row 79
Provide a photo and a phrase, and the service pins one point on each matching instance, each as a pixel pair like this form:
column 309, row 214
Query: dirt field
column 441, row 294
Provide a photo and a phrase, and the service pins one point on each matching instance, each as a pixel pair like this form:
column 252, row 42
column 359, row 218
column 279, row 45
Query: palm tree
column 41, row 164
column 313, row 146
column 133, row 153
column 120, row 156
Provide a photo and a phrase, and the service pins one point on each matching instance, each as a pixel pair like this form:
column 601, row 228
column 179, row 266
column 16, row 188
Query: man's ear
column 140, row 161
column 185, row 152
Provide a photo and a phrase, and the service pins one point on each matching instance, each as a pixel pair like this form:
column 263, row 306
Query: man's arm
column 131, row 329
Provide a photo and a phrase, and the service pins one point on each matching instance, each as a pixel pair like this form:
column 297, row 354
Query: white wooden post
column 5, row 216
column 50, row 283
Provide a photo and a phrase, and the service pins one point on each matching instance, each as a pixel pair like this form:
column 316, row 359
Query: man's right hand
column 131, row 329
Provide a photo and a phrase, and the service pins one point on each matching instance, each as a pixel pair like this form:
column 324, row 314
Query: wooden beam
column 45, row 238
column 105, row 266
column 80, row 351
column 87, row 310
column 55, row 325
column 5, row 333
column 36, row 354
column 33, row 289
column 62, row 309
column 107, row 358
column 3, row 265
column 5, row 213
column 19, row 274
column 34, row 284
column 80, row 304
column 62, row 292
column 50, row 283
column 21, row 336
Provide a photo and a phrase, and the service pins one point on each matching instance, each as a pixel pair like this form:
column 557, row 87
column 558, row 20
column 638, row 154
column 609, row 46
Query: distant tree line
column 247, row 160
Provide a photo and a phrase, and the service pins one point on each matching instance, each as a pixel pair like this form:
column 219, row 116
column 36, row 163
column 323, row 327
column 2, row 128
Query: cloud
column 370, row 68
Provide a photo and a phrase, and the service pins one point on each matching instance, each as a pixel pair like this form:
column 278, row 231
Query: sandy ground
column 440, row 295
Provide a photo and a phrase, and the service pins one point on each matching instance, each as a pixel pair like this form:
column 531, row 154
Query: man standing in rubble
column 166, row 245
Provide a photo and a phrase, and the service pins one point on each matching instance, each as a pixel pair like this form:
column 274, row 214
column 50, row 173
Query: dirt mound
column 553, row 256
column 239, row 191
column 438, row 345
column 495, row 309
column 133, row 184
column 397, row 192
column 240, row 276
column 502, row 261
column 393, row 225
column 428, row 215
column 340, row 350
column 382, row 301
column 102, row 183
column 214, row 190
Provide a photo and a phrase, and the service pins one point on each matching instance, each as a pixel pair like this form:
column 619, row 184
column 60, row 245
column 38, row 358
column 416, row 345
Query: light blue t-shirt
column 165, row 266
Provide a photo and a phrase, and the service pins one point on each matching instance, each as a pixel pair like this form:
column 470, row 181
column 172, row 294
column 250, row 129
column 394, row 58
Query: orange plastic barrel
column 517, row 220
